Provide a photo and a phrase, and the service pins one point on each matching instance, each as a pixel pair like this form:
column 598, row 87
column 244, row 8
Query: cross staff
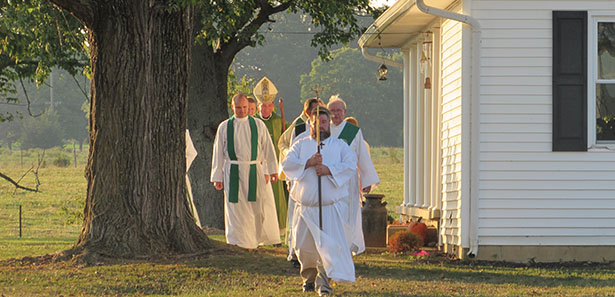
column 282, row 113
column 317, row 119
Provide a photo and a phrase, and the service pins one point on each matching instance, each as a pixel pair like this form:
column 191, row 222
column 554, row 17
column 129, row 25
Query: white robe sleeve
column 266, row 149
column 345, row 169
column 365, row 166
column 190, row 150
column 294, row 165
column 284, row 143
column 218, row 159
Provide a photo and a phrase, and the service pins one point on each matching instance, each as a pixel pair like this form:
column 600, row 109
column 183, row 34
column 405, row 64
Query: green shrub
column 61, row 160
column 403, row 242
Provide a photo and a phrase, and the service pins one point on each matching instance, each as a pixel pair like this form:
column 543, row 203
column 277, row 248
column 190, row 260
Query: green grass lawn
column 51, row 223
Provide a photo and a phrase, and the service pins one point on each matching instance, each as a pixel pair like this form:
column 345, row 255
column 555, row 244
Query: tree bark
column 207, row 107
column 136, row 204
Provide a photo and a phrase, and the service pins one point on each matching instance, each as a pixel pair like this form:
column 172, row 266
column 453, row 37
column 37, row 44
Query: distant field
column 51, row 219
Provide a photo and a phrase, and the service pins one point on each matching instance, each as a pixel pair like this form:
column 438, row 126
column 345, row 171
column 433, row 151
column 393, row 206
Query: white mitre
column 265, row 90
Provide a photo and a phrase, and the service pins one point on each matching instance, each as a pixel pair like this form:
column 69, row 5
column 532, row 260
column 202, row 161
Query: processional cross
column 317, row 119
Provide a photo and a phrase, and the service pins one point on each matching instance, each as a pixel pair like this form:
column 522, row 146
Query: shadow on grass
column 545, row 275
column 267, row 260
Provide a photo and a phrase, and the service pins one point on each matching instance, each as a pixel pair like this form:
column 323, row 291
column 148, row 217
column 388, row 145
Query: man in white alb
column 297, row 127
column 321, row 246
column 366, row 176
column 244, row 164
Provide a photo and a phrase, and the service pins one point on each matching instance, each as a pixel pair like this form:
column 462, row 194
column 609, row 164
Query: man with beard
column 321, row 246
column 298, row 126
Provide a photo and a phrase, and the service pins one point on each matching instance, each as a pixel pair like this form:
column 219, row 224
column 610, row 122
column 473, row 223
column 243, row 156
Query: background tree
column 70, row 98
column 9, row 133
column 377, row 105
column 41, row 132
column 35, row 37
column 236, row 85
column 223, row 28
column 69, row 122
column 283, row 58
column 136, row 204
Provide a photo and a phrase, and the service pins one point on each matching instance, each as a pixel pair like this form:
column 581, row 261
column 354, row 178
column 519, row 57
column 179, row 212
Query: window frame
column 593, row 19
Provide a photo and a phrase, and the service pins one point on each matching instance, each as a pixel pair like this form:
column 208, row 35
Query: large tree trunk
column 207, row 107
column 136, row 203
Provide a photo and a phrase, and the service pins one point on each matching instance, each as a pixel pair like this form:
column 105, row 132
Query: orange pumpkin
column 419, row 229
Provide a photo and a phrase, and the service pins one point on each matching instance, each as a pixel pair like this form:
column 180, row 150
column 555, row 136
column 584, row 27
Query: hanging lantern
column 382, row 72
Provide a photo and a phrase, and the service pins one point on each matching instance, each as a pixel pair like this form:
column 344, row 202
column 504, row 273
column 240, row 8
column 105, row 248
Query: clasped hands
column 316, row 162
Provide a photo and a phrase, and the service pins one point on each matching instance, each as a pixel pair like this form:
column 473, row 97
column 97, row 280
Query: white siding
column 451, row 41
column 530, row 195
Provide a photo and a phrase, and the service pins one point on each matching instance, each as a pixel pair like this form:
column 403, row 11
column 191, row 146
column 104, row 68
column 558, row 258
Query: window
column 601, row 84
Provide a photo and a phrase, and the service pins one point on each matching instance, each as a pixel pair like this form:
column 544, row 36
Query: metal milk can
column 374, row 214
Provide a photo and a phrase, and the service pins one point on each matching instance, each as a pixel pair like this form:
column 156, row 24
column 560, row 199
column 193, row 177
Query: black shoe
column 296, row 263
column 308, row 287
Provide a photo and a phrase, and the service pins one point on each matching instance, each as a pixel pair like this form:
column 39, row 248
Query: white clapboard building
column 509, row 124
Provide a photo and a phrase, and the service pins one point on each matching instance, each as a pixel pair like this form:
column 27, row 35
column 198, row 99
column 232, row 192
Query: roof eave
column 383, row 21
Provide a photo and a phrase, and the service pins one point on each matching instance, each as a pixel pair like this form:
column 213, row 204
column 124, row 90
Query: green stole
column 299, row 127
column 348, row 133
column 274, row 125
column 233, row 193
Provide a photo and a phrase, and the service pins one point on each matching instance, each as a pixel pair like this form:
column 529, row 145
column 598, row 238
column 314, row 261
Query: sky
column 378, row 3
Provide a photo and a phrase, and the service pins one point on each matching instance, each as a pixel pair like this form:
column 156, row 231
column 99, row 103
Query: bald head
column 240, row 106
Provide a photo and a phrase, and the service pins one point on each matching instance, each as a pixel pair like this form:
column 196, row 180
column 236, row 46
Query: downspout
column 475, row 114
column 377, row 59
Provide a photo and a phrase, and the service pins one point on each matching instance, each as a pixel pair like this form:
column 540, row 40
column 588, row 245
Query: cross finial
column 316, row 90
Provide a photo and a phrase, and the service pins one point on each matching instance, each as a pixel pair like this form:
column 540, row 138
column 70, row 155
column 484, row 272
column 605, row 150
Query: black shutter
column 569, row 80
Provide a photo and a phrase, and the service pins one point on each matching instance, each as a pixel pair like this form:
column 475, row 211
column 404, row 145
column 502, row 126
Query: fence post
column 19, row 221
column 74, row 154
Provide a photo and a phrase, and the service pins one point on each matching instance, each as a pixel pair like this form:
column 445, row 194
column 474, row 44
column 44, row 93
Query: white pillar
column 420, row 160
column 437, row 101
column 411, row 91
column 408, row 174
column 427, row 144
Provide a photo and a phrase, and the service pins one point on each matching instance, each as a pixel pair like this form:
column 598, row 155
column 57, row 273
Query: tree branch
column 87, row 98
column 28, row 99
column 12, row 62
column 234, row 45
column 16, row 184
column 41, row 158
column 81, row 9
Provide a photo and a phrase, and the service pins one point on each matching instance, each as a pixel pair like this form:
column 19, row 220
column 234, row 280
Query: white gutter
column 475, row 114
column 377, row 59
